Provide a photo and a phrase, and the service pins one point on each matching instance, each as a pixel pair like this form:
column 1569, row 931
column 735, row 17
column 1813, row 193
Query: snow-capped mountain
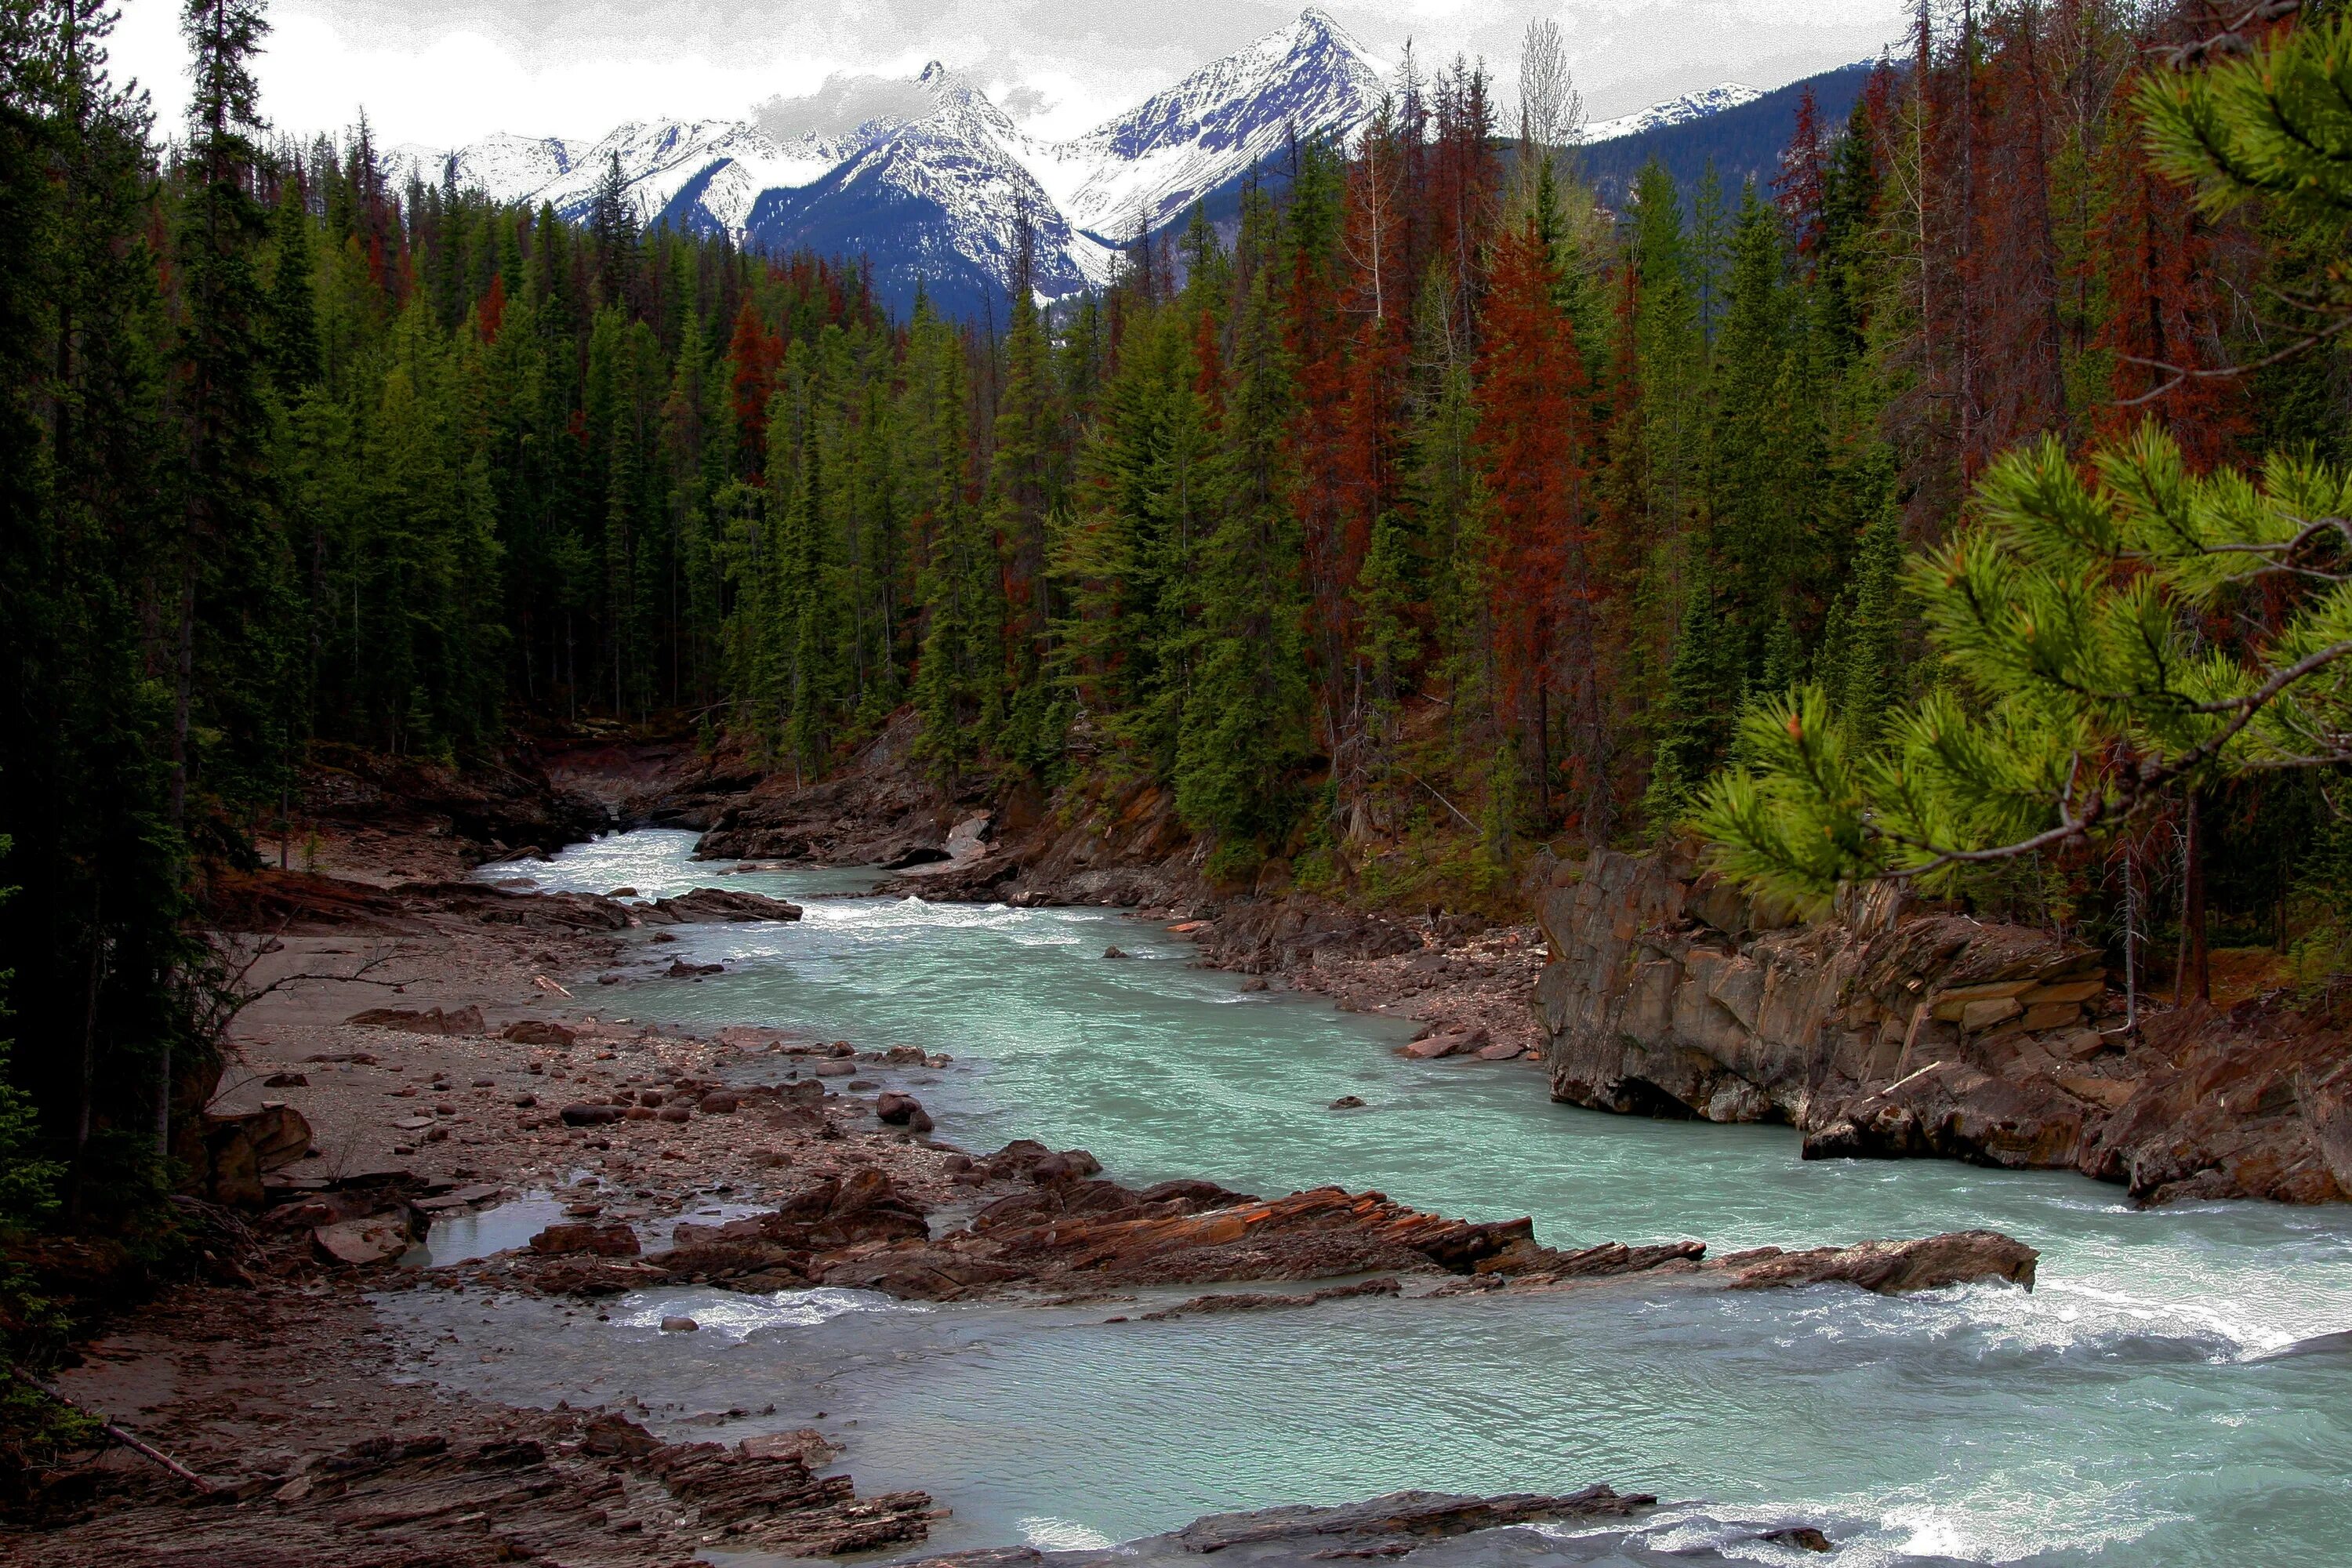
column 938, row 201
column 940, row 197
column 1144, row 169
column 1675, row 111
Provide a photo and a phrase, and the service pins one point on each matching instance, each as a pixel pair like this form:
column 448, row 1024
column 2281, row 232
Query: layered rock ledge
column 1071, row 1234
column 1891, row 1029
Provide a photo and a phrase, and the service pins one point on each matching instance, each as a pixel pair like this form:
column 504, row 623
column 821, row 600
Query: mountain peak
column 1690, row 106
column 941, row 186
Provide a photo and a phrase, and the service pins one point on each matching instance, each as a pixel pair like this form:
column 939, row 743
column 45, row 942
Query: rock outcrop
column 1893, row 1029
column 1603, row 1527
column 1068, row 1233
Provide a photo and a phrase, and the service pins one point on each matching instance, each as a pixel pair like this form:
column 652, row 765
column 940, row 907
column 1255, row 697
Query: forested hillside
column 1443, row 514
column 1740, row 145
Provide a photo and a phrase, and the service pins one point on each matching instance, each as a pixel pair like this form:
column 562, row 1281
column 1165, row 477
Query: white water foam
column 735, row 1317
column 1049, row 1534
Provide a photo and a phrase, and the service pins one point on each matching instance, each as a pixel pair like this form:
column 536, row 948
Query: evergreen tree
column 1246, row 727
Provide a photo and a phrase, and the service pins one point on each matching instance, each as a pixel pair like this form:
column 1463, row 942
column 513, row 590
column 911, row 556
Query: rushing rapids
column 2133, row 1407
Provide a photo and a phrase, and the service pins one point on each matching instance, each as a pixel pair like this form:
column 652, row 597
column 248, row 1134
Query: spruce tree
column 1246, row 727
column 227, row 561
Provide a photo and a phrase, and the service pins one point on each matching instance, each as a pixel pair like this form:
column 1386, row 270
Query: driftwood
column 129, row 1440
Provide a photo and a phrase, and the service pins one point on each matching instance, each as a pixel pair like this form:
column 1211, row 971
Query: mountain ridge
column 936, row 201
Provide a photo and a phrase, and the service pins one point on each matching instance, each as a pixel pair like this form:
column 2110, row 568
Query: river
column 2131, row 1410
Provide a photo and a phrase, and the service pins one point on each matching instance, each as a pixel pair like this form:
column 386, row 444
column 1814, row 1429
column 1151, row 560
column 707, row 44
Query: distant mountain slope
column 1674, row 112
column 941, row 198
column 1745, row 141
column 937, row 198
column 1146, row 167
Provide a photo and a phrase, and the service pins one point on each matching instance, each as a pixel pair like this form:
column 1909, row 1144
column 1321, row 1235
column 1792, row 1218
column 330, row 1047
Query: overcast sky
column 446, row 71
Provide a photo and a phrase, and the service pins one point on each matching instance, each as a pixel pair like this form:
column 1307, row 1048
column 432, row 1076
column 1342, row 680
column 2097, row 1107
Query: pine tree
column 293, row 313
column 228, row 565
column 1245, row 728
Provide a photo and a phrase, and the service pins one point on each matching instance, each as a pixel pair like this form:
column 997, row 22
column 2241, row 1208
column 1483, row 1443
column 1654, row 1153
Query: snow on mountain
column 1675, row 111
column 1148, row 165
column 508, row 167
column 940, row 197
column 938, row 201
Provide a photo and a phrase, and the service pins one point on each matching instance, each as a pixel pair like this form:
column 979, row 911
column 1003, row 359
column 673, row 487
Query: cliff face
column 1888, row 1031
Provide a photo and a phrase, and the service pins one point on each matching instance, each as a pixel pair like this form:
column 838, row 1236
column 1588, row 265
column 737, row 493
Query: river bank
column 1167, row 1073
column 476, row 1100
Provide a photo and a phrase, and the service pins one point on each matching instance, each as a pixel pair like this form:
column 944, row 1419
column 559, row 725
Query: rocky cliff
column 1889, row 1029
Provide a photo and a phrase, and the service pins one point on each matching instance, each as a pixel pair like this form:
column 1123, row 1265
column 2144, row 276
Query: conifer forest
column 1424, row 518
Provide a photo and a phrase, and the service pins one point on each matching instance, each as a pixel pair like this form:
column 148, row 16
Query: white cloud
column 447, row 72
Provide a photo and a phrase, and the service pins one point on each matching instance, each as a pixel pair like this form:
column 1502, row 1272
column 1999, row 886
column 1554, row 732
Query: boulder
column 1890, row 1268
column 719, row 1104
column 603, row 1238
column 539, row 1032
column 899, row 1108
column 675, row 1325
column 1448, row 1043
column 720, row 905
column 1070, row 1165
column 580, row 1113
column 240, row 1147
column 375, row 1238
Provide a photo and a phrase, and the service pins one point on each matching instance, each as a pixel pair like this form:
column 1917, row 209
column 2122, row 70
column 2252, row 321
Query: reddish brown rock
column 372, row 1239
column 604, row 1238
column 1893, row 1029
column 431, row 1021
column 1890, row 1268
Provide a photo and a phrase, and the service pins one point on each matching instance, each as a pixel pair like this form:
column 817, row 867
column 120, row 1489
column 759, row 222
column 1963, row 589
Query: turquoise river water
column 2133, row 1410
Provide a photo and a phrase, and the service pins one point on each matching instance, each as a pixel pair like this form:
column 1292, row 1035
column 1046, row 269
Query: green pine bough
column 2078, row 688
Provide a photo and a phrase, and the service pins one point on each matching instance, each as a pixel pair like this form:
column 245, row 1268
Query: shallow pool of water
column 2123, row 1412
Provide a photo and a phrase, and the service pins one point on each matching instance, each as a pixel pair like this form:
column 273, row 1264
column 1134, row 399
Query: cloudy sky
column 446, row 71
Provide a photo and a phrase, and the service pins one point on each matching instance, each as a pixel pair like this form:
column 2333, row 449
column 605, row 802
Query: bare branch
column 2303, row 345
column 2231, row 39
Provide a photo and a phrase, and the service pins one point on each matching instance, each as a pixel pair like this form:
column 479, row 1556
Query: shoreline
column 421, row 1116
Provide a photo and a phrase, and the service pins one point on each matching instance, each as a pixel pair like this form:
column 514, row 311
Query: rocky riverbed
column 486, row 1079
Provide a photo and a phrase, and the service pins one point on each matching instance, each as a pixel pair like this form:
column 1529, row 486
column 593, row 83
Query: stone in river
column 1348, row 1103
column 679, row 1325
column 1500, row 1051
column 1803, row 1537
column 1070, row 1165
column 1446, row 1043
column 898, row 1109
column 605, row 1238
column 836, row 1069
column 1891, row 1267
column 1114, row 952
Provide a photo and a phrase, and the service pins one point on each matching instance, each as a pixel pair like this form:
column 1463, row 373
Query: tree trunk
column 2194, row 977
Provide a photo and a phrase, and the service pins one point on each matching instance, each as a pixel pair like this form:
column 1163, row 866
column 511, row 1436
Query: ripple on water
column 2122, row 1414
